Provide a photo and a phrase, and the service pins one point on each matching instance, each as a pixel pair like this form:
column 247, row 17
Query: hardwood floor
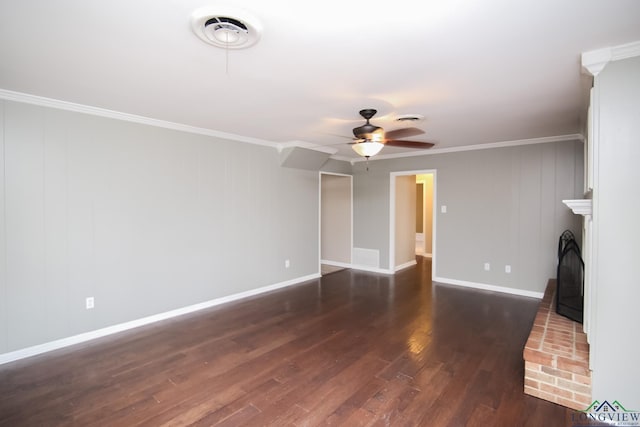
column 350, row 349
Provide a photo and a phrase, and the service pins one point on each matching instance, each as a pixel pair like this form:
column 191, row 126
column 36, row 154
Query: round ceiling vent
column 226, row 29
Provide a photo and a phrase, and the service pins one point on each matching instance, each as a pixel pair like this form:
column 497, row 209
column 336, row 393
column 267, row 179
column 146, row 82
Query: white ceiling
column 479, row 71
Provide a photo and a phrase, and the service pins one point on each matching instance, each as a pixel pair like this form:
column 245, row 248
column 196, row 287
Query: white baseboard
column 87, row 336
column 371, row 269
column 406, row 265
column 335, row 263
column 361, row 267
column 486, row 287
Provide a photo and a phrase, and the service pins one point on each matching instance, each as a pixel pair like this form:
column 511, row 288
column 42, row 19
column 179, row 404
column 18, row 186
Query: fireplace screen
column 570, row 280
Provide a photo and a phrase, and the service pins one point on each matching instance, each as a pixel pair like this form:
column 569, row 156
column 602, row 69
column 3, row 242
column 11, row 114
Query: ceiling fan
column 370, row 139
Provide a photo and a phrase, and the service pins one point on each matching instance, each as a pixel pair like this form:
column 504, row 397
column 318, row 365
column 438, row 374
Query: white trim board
column 372, row 269
column 103, row 112
column 335, row 263
column 110, row 330
column 487, row 287
column 594, row 61
column 406, row 265
column 487, row 146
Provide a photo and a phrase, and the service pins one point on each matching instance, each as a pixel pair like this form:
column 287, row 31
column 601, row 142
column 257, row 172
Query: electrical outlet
column 89, row 303
column 287, row 263
column 487, row 266
column 507, row 269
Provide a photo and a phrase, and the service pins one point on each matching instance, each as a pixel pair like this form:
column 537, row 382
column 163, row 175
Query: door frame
column 392, row 216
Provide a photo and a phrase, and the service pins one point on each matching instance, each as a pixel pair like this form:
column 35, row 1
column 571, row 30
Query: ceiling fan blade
column 408, row 144
column 403, row 133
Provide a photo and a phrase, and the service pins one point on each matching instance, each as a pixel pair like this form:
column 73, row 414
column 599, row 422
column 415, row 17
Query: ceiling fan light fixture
column 367, row 131
column 377, row 135
column 367, row 148
column 370, row 139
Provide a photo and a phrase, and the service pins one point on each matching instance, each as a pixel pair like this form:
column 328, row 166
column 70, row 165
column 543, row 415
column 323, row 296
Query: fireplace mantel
column 580, row 206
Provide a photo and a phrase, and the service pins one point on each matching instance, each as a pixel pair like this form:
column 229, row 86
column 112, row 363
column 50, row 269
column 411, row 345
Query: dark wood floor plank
column 350, row 407
column 350, row 349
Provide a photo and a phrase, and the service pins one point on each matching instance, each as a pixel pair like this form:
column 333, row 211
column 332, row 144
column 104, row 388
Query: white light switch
column 443, row 208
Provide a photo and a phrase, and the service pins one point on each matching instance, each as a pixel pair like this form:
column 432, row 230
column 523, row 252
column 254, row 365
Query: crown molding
column 103, row 112
column 594, row 61
column 625, row 51
column 503, row 144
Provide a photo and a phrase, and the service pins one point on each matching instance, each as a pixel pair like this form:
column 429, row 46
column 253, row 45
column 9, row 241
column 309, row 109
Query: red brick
column 539, row 321
column 537, row 329
column 577, row 367
column 582, row 379
column 541, row 377
column 581, row 338
column 532, row 366
column 556, row 351
column 535, row 336
column 537, row 357
column 582, row 357
column 533, row 344
column 580, row 346
column 531, row 383
column 556, row 391
column 575, row 387
column 561, row 336
column 540, row 394
column 557, row 373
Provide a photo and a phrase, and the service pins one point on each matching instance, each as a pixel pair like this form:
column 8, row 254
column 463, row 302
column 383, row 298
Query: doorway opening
column 336, row 222
column 424, row 214
column 412, row 223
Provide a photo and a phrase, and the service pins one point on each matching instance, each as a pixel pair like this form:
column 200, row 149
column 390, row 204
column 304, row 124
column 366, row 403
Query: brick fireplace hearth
column 556, row 357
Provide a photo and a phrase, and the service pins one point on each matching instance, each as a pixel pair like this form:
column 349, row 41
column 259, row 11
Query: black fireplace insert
column 570, row 278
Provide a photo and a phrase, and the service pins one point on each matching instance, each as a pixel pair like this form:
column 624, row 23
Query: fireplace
column 570, row 278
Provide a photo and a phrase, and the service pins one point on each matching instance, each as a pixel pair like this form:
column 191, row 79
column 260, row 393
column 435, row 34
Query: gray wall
column 616, row 210
column 337, row 166
column 504, row 207
column 335, row 227
column 144, row 219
